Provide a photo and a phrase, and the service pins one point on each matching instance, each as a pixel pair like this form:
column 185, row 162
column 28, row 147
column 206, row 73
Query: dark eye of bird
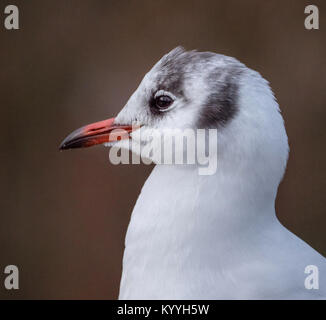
column 163, row 102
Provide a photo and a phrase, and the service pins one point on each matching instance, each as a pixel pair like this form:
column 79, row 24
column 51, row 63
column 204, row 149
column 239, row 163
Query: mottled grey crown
column 221, row 73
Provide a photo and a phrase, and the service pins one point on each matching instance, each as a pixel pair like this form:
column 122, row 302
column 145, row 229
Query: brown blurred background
column 64, row 215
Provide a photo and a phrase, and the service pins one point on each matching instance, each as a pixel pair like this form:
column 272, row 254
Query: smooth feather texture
column 217, row 236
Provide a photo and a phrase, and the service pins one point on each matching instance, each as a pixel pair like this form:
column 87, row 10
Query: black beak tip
column 62, row 147
column 72, row 144
column 73, row 140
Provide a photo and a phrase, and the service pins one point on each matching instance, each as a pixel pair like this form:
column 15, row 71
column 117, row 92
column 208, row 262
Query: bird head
column 198, row 90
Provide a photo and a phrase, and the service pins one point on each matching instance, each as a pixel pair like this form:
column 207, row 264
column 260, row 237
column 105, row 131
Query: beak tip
column 63, row 146
column 94, row 134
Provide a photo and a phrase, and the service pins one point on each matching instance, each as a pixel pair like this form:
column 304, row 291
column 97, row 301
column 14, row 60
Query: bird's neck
column 175, row 200
column 187, row 228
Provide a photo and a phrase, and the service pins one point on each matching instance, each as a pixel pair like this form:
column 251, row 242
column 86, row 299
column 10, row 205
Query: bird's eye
column 163, row 102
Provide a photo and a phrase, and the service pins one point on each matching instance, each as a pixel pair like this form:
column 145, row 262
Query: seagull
column 214, row 236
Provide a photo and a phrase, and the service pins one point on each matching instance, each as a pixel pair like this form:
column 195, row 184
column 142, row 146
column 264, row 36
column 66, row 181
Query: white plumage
column 217, row 237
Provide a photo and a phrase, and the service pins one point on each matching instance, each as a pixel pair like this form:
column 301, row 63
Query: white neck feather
column 192, row 223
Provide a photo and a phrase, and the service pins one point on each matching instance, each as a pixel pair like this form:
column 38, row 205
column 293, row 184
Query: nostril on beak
column 95, row 129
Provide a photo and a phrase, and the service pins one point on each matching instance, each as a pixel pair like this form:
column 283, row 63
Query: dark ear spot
column 222, row 102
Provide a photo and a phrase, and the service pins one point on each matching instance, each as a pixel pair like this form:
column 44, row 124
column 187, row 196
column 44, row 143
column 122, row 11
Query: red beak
column 96, row 133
